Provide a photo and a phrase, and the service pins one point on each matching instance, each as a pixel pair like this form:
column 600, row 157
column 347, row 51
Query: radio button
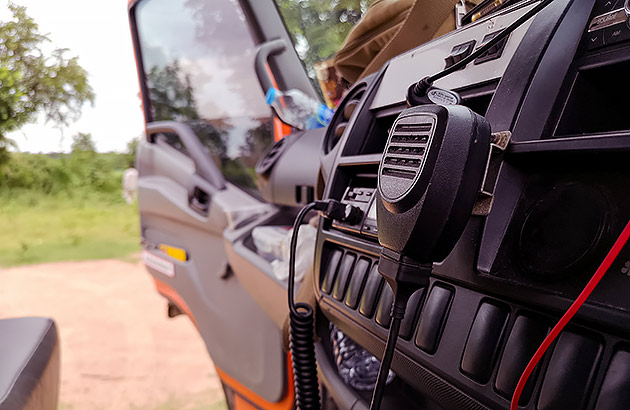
column 594, row 40
column 602, row 7
column 616, row 34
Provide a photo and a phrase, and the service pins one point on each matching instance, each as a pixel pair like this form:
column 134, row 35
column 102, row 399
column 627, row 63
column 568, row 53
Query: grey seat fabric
column 29, row 363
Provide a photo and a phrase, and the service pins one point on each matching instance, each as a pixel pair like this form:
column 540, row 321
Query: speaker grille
column 406, row 149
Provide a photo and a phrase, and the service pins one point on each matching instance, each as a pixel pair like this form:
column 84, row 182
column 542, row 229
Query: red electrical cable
column 586, row 292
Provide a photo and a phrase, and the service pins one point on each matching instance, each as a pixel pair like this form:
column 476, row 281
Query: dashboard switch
column 495, row 52
column 408, row 323
column 524, row 339
column 615, row 391
column 356, row 282
column 570, row 373
column 370, row 292
column 339, row 289
column 432, row 319
column 459, row 52
column 483, row 342
column 384, row 308
column 331, row 270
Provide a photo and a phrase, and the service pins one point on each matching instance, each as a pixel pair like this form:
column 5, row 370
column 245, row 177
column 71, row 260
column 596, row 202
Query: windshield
column 318, row 29
column 198, row 58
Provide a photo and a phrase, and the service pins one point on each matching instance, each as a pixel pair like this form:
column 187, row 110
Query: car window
column 198, row 58
column 318, row 29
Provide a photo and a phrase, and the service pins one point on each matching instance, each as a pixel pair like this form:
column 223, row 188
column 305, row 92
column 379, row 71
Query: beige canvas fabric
column 389, row 28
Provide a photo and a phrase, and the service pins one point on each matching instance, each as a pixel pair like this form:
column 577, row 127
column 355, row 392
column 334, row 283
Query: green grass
column 35, row 228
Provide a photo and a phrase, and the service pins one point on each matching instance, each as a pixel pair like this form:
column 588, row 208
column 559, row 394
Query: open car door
column 207, row 125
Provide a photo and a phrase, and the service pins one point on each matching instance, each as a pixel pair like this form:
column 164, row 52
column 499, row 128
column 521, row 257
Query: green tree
column 172, row 95
column 173, row 99
column 83, row 142
column 34, row 82
column 132, row 149
column 319, row 27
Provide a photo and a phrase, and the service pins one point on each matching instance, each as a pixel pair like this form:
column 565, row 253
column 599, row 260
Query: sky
column 97, row 31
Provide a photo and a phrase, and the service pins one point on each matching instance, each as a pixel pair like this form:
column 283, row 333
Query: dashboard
column 559, row 84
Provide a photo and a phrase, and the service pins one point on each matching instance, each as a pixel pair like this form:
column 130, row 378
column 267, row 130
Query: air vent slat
column 348, row 110
column 340, row 129
column 340, row 120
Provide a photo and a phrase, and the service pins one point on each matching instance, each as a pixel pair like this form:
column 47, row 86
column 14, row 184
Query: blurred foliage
column 132, row 149
column 319, row 27
column 172, row 95
column 65, row 207
column 32, row 81
column 52, row 174
column 83, row 142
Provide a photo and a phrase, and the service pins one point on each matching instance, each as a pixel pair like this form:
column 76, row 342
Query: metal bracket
column 498, row 144
column 460, row 12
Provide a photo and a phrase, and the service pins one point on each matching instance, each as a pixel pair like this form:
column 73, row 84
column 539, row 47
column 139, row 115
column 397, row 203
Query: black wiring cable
column 292, row 249
column 492, row 42
column 400, row 305
column 421, row 87
column 402, row 292
column 301, row 315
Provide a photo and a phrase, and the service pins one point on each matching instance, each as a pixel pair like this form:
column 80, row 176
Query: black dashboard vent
column 342, row 116
column 268, row 160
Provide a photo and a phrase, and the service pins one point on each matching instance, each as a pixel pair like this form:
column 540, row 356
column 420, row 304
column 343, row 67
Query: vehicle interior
column 217, row 164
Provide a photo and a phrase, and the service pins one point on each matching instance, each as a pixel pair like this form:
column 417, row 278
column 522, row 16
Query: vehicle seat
column 29, row 364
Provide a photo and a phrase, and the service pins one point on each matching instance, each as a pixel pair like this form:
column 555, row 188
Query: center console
column 558, row 83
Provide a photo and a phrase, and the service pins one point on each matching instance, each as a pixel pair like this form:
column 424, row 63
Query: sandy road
column 119, row 350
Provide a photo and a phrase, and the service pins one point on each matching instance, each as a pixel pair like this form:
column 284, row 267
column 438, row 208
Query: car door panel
column 242, row 340
column 255, row 272
column 195, row 62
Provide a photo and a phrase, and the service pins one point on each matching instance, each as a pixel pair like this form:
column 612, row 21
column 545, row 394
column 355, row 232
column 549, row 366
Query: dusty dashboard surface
column 560, row 201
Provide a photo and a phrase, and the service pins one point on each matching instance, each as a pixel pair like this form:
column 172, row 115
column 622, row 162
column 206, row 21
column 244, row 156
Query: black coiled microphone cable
column 301, row 317
column 302, row 333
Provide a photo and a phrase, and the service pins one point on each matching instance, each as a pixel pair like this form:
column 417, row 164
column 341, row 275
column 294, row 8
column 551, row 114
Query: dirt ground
column 119, row 350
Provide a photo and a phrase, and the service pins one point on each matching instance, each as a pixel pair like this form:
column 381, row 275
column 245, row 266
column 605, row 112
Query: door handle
column 204, row 164
column 266, row 50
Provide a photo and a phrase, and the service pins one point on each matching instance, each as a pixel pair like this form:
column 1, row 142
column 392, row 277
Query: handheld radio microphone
column 431, row 172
